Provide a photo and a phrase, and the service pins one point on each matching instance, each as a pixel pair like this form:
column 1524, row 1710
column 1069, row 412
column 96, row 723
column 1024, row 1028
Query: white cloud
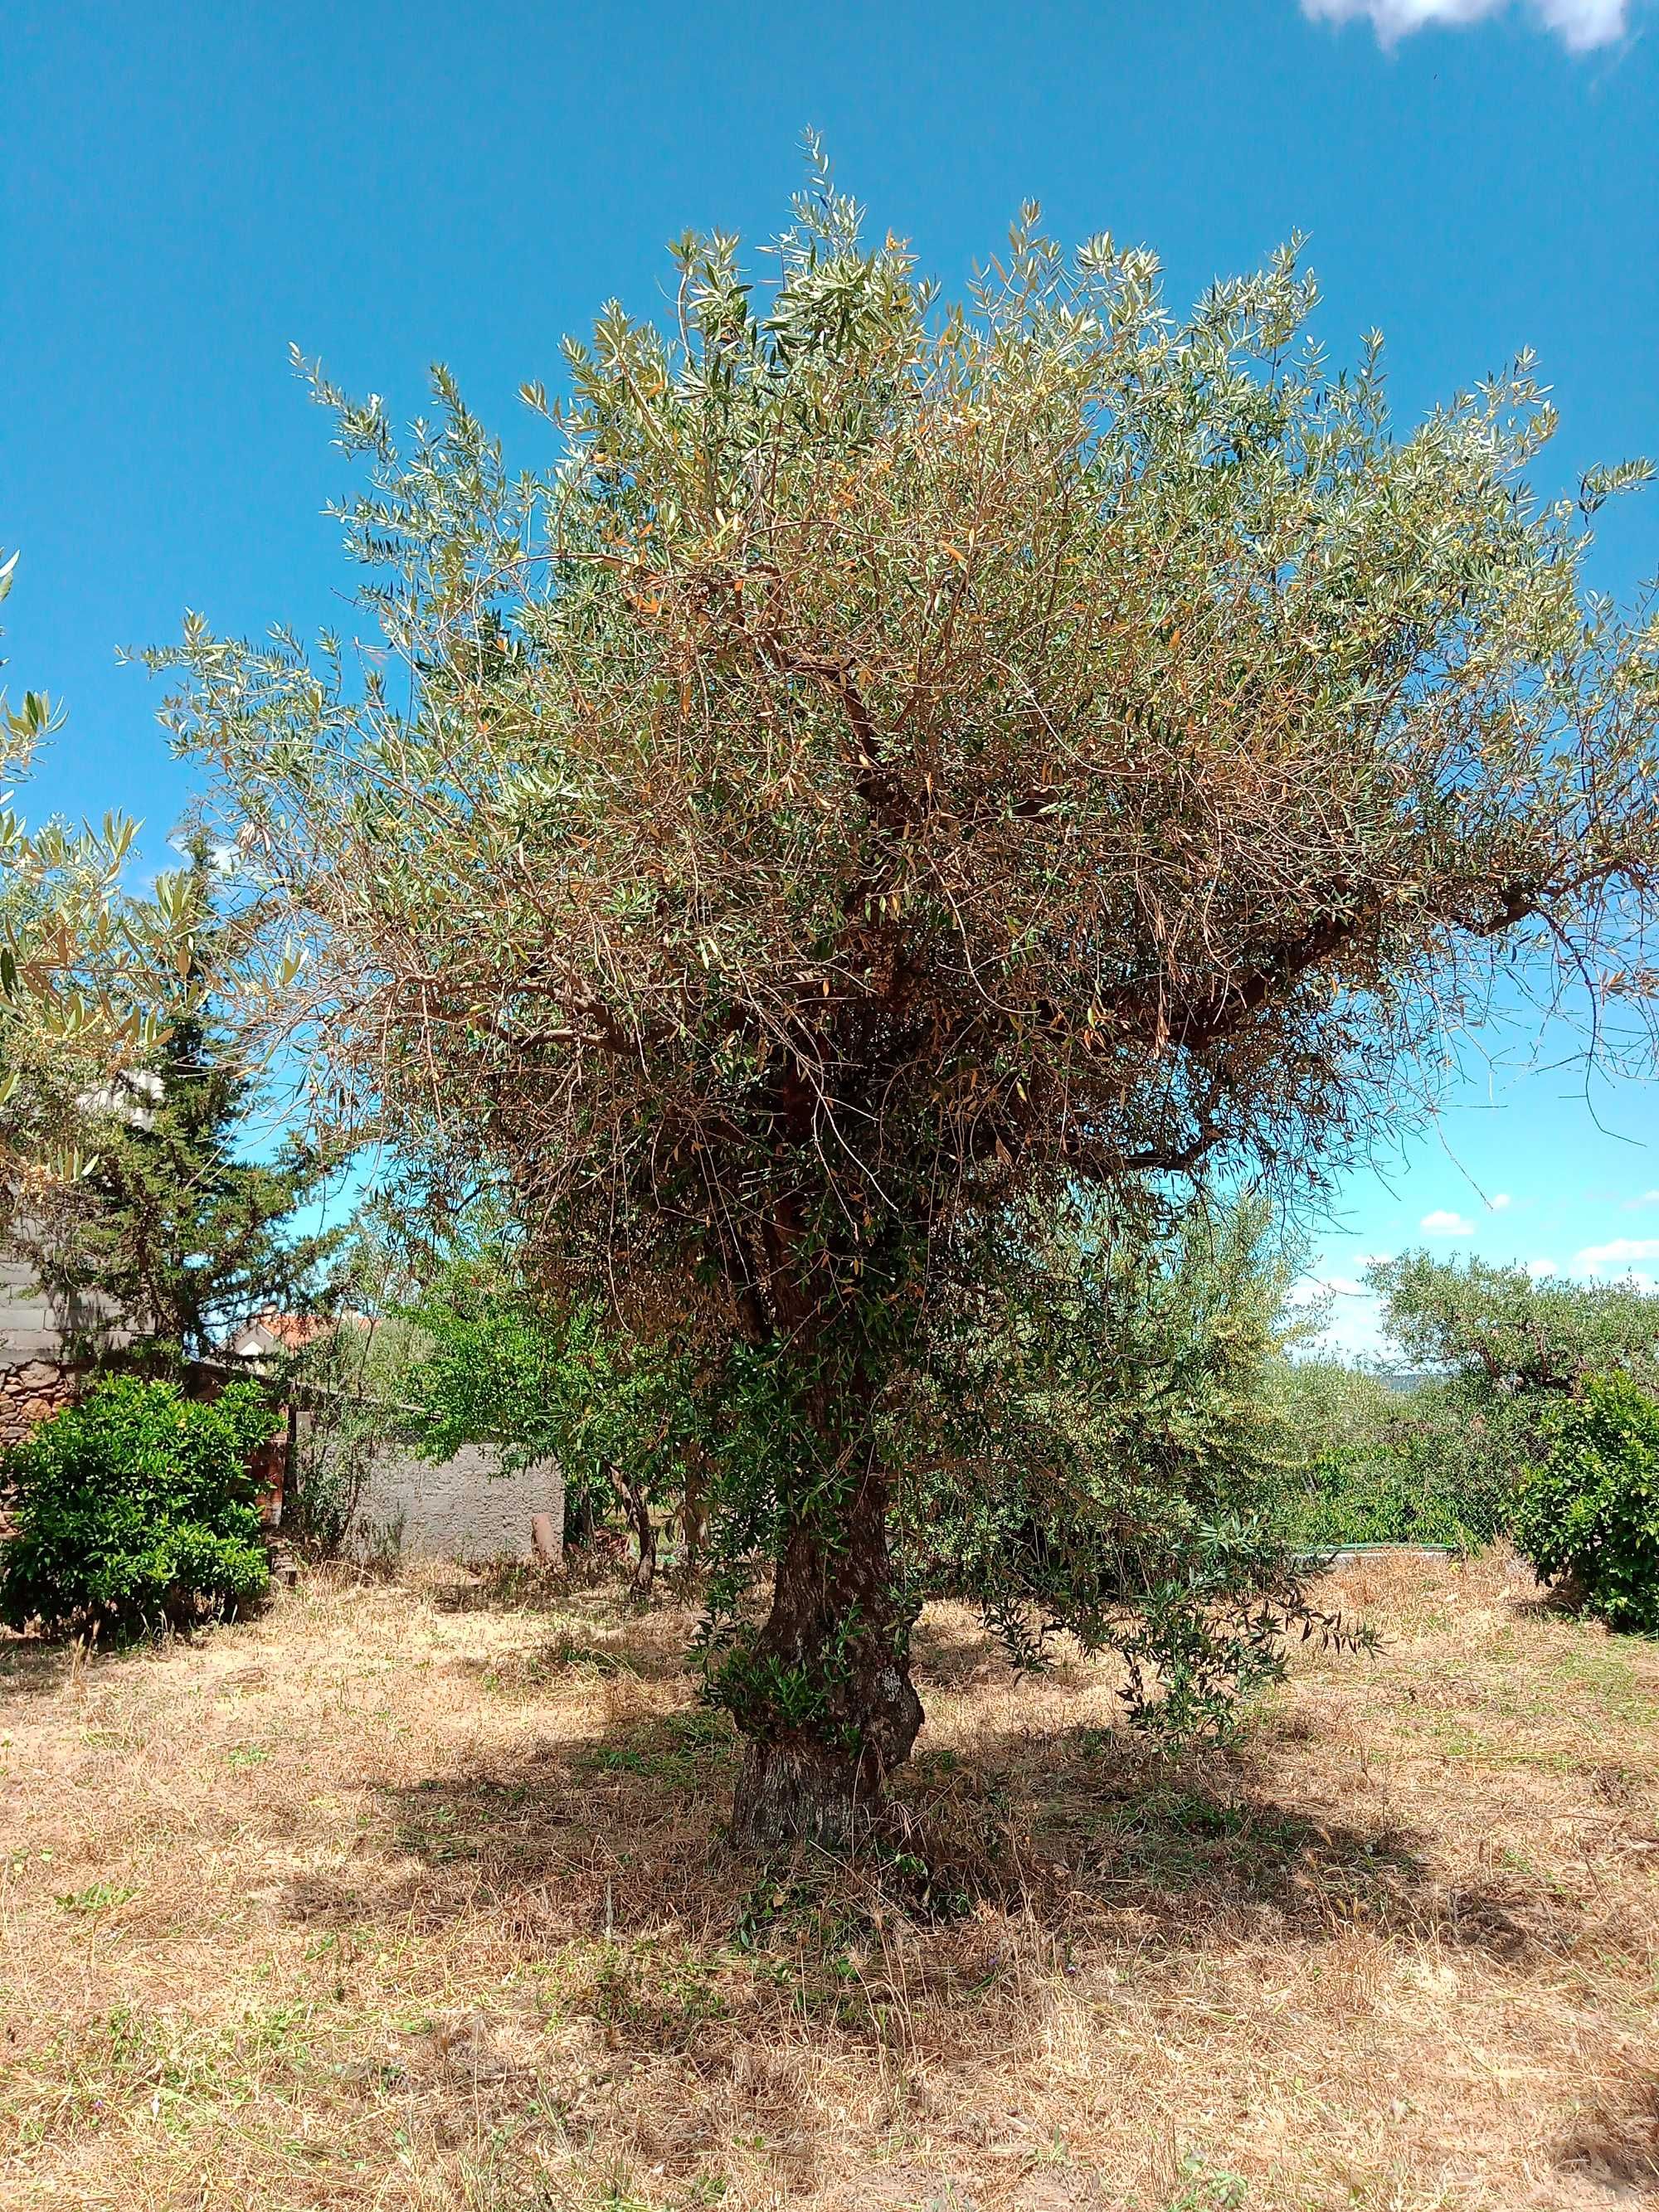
column 1579, row 24
column 1619, row 1254
column 1539, row 1268
column 1441, row 1224
column 1350, row 1316
column 1499, row 1200
column 1647, row 1198
column 1372, row 1259
column 1582, row 24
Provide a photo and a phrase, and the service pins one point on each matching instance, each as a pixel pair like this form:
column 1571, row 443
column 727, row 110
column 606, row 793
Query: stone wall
column 37, row 1379
column 463, row 1508
column 31, row 1393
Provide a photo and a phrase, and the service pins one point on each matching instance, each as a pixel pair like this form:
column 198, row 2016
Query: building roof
column 269, row 1333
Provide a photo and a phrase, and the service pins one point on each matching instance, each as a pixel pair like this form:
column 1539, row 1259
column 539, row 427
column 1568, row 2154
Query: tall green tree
column 170, row 1236
column 907, row 760
column 85, row 968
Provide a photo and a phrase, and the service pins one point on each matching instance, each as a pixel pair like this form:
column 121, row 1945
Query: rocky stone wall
column 32, row 1392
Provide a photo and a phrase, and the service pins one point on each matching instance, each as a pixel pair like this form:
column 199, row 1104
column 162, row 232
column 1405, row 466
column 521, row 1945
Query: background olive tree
column 905, row 761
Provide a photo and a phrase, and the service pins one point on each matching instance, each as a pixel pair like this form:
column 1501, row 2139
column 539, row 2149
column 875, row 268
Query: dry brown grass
column 411, row 1896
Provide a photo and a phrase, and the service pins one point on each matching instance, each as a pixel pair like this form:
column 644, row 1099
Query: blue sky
column 188, row 188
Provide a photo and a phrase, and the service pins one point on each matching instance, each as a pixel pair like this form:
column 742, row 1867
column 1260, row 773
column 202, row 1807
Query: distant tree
column 1510, row 1336
column 84, row 969
column 1498, row 1351
column 170, row 1236
column 539, row 1381
column 904, row 762
column 1366, row 1462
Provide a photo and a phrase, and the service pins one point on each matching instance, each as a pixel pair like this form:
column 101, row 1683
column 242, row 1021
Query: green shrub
column 1591, row 1509
column 1363, row 1464
column 136, row 1509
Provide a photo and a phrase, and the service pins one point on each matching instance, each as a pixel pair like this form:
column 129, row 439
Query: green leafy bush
column 136, row 1510
column 1096, row 1448
column 1591, row 1509
column 1365, row 1464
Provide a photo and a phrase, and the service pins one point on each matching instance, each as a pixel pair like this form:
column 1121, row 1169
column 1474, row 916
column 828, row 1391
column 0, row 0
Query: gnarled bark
column 837, row 1621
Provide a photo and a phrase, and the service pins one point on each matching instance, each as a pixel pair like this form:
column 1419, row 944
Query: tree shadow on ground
column 507, row 1585
column 504, row 1586
column 1615, row 2143
column 565, row 1659
column 622, row 1833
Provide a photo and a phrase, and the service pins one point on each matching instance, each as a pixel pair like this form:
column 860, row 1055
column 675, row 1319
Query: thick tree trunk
column 839, row 1632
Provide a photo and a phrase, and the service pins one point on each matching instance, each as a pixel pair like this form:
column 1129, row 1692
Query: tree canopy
column 83, row 966
column 905, row 760
column 1512, row 1334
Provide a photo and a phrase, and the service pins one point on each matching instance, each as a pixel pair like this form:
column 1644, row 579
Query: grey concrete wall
column 29, row 1328
column 32, row 1327
column 461, row 1510
column 36, row 1378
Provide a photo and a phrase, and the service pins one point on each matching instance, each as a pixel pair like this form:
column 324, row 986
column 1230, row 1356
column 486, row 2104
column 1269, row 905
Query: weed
column 1205, row 2188
column 101, row 1896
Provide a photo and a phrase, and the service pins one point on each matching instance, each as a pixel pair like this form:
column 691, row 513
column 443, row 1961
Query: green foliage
column 1590, row 1509
column 1504, row 1351
column 1111, row 1453
column 545, row 1379
column 169, row 1239
column 136, row 1509
column 1365, row 1464
column 492, row 1370
column 85, row 968
column 1440, row 1463
column 1496, row 1327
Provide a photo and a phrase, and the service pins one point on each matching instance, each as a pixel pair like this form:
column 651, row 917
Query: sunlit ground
column 415, row 1895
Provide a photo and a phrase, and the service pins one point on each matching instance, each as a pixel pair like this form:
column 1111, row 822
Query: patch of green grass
column 678, row 1749
column 437, row 1835
column 1606, row 1668
column 1458, row 1739
column 1205, row 2188
column 101, row 1896
column 585, row 1658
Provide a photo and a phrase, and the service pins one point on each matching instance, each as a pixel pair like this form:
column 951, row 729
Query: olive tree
column 1509, row 1335
column 903, row 761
